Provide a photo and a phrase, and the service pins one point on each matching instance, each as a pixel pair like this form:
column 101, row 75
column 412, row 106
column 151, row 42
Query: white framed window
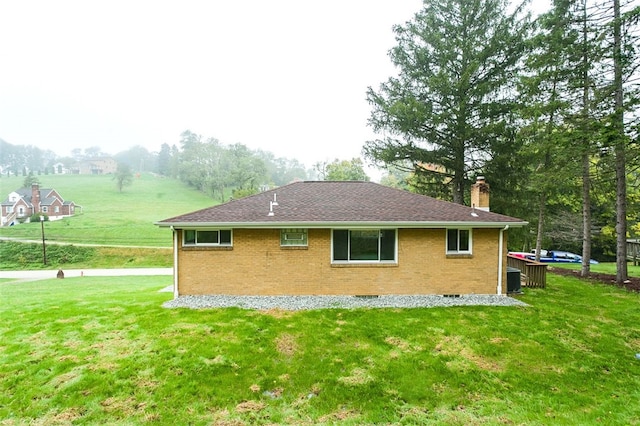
column 459, row 241
column 364, row 245
column 207, row 237
column 294, row 237
column 45, row 209
column 9, row 209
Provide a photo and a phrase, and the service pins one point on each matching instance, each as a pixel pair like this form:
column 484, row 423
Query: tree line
column 546, row 109
column 235, row 171
column 205, row 163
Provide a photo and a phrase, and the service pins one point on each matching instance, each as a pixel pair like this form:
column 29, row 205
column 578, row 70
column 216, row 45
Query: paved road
column 52, row 273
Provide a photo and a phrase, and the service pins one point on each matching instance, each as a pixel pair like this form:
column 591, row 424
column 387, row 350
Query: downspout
column 175, row 263
column 500, row 263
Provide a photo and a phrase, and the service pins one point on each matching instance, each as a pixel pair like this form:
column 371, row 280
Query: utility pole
column 44, row 247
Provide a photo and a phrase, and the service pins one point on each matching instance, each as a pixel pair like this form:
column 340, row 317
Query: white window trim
column 394, row 261
column 446, row 242
column 304, row 242
column 196, row 244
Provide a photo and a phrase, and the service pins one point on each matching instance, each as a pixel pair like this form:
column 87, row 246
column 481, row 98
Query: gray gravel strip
column 296, row 303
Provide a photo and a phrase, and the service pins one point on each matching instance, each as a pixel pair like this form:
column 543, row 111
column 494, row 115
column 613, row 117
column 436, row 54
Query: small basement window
column 196, row 237
column 293, row 237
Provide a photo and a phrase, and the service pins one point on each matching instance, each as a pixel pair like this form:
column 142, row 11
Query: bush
column 35, row 218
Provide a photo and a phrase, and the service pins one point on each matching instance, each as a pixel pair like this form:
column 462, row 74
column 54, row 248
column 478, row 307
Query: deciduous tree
column 123, row 176
column 346, row 170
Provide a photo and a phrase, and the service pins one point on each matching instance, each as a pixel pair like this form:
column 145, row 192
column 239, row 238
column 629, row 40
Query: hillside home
column 22, row 203
column 60, row 169
column 341, row 238
column 95, row 166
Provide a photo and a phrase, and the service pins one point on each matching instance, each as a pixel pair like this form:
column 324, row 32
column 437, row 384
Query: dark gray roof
column 27, row 195
column 319, row 203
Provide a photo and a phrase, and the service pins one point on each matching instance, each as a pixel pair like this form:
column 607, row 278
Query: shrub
column 36, row 217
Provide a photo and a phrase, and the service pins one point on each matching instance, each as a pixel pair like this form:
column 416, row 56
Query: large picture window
column 459, row 241
column 364, row 245
column 196, row 237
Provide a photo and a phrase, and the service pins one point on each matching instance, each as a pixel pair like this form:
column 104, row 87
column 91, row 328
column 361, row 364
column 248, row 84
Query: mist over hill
column 228, row 165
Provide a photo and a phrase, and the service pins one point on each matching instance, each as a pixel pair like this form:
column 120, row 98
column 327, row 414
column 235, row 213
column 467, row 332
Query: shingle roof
column 317, row 203
column 26, row 194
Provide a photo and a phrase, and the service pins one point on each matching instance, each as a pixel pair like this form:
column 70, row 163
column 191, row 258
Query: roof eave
column 340, row 224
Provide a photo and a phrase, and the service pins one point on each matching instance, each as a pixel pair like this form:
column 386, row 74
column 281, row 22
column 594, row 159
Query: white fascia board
column 338, row 225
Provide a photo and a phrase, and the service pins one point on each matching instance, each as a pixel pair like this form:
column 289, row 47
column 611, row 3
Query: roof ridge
column 340, row 202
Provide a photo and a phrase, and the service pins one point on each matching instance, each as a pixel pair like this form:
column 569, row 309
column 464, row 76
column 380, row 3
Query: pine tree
column 453, row 97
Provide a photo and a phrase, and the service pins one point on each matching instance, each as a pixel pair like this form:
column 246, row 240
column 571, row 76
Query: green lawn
column 98, row 350
column 602, row 267
column 109, row 217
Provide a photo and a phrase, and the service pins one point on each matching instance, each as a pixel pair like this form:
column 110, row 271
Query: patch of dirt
column 249, row 406
column 277, row 313
column 464, row 357
column 359, row 376
column 338, row 416
column 632, row 284
column 401, row 344
column 286, row 344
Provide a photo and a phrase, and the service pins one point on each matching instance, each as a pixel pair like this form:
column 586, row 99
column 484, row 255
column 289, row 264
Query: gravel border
column 296, row 303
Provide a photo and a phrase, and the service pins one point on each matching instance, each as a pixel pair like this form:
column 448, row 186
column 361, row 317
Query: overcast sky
column 286, row 76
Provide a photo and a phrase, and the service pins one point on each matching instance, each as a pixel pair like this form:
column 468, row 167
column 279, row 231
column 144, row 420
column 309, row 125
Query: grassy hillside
column 109, row 217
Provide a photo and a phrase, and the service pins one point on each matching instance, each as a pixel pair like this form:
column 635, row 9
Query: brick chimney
column 480, row 194
column 35, row 197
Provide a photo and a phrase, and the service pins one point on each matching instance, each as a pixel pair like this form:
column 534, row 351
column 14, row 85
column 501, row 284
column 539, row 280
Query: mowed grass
column 602, row 267
column 99, row 350
column 107, row 216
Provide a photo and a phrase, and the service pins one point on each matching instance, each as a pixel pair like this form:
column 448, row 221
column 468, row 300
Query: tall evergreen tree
column 543, row 134
column 619, row 28
column 453, row 96
column 619, row 147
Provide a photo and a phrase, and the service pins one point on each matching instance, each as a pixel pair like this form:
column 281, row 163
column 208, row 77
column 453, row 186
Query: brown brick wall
column 257, row 265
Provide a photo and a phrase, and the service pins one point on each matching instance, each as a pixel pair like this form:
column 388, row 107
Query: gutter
column 338, row 225
column 500, row 257
column 175, row 263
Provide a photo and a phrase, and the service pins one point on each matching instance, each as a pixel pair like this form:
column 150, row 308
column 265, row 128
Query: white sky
column 285, row 76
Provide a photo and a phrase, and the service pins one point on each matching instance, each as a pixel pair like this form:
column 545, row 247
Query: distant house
column 95, row 166
column 22, row 203
column 341, row 238
column 60, row 169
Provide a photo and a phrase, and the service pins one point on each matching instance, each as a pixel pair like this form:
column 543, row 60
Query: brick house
column 341, row 238
column 25, row 202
